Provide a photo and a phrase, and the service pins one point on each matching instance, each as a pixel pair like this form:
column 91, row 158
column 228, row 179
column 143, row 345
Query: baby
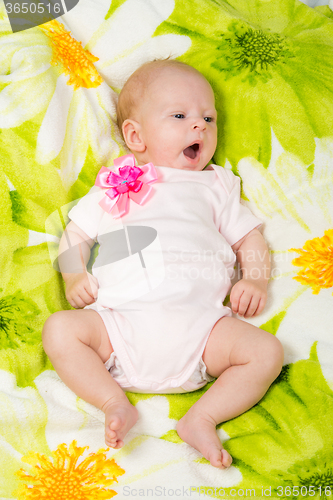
column 175, row 335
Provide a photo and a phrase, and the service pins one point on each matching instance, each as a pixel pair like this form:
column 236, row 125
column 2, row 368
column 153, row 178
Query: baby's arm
column 248, row 296
column 74, row 253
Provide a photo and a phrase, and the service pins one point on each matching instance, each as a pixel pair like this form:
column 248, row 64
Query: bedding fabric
column 270, row 63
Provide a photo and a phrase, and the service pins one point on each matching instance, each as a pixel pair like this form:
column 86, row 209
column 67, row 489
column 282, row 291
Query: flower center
column 256, row 48
column 250, row 52
column 63, row 485
column 68, row 53
column 322, row 482
column 62, row 477
column 316, row 261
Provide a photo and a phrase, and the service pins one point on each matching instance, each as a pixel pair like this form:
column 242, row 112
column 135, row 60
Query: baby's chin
column 183, row 163
column 180, row 163
column 200, row 166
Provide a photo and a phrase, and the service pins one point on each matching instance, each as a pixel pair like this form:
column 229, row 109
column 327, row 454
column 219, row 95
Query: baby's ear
column 132, row 135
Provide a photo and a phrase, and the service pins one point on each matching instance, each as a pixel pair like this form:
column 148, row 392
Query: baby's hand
column 81, row 289
column 248, row 297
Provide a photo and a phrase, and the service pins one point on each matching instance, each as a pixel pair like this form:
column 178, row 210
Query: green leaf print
column 38, row 188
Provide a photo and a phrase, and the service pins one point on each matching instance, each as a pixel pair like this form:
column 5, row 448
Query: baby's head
column 166, row 112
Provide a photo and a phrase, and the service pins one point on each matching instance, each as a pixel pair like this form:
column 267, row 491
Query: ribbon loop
column 130, row 182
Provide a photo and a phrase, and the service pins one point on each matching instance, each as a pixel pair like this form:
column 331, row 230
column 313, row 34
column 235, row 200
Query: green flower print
column 269, row 63
column 16, row 312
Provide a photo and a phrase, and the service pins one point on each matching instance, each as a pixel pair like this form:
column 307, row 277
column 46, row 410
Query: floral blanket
column 270, row 63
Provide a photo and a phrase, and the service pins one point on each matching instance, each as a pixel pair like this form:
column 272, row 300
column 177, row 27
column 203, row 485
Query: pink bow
column 125, row 185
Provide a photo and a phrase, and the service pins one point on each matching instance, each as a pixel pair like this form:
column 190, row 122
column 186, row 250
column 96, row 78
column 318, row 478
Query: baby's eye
column 179, row 115
column 208, row 119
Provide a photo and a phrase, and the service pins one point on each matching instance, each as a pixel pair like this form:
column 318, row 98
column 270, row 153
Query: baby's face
column 178, row 121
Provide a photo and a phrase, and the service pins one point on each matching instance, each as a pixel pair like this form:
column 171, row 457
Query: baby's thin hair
column 136, row 87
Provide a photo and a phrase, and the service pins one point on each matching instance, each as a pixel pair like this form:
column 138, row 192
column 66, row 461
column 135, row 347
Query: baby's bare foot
column 119, row 419
column 199, row 431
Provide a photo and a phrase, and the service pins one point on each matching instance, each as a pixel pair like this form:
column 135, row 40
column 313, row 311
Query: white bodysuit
column 164, row 270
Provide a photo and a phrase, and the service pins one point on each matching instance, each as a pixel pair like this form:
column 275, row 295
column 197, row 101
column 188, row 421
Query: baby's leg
column 246, row 361
column 78, row 346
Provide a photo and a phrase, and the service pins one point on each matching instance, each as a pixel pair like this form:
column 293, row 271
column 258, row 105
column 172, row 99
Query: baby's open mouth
column 192, row 151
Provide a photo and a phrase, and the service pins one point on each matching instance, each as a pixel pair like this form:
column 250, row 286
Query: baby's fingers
column 79, row 299
column 261, row 305
column 252, row 307
column 234, row 301
column 244, row 302
column 235, row 295
column 82, row 294
column 256, row 305
column 239, row 299
column 91, row 286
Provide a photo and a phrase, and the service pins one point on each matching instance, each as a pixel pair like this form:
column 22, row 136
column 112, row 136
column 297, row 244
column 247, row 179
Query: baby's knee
column 53, row 331
column 273, row 355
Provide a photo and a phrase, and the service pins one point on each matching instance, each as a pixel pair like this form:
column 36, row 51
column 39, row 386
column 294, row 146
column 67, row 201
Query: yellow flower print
column 76, row 61
column 316, row 261
column 63, row 477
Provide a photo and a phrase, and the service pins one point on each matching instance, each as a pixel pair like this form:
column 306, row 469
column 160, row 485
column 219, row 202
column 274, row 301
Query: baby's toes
column 215, row 457
column 110, row 434
column 226, row 458
column 111, row 443
column 219, row 458
column 111, row 438
column 119, row 444
column 115, row 423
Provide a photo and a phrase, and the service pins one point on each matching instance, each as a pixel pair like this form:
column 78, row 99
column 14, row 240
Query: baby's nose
column 199, row 123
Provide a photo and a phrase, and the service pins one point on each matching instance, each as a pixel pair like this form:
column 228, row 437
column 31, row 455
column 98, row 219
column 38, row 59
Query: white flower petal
column 8, row 448
column 284, row 235
column 75, row 144
column 10, row 185
column 24, row 63
column 76, row 19
column 36, row 238
column 153, row 417
column 117, row 72
column 164, row 460
column 267, row 195
column 309, row 319
column 68, row 419
column 281, row 264
column 102, row 123
column 322, row 179
column 281, row 293
column 325, row 356
column 10, row 44
column 21, row 410
column 131, row 25
column 35, row 92
column 49, row 144
column 294, row 203
column 222, row 435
